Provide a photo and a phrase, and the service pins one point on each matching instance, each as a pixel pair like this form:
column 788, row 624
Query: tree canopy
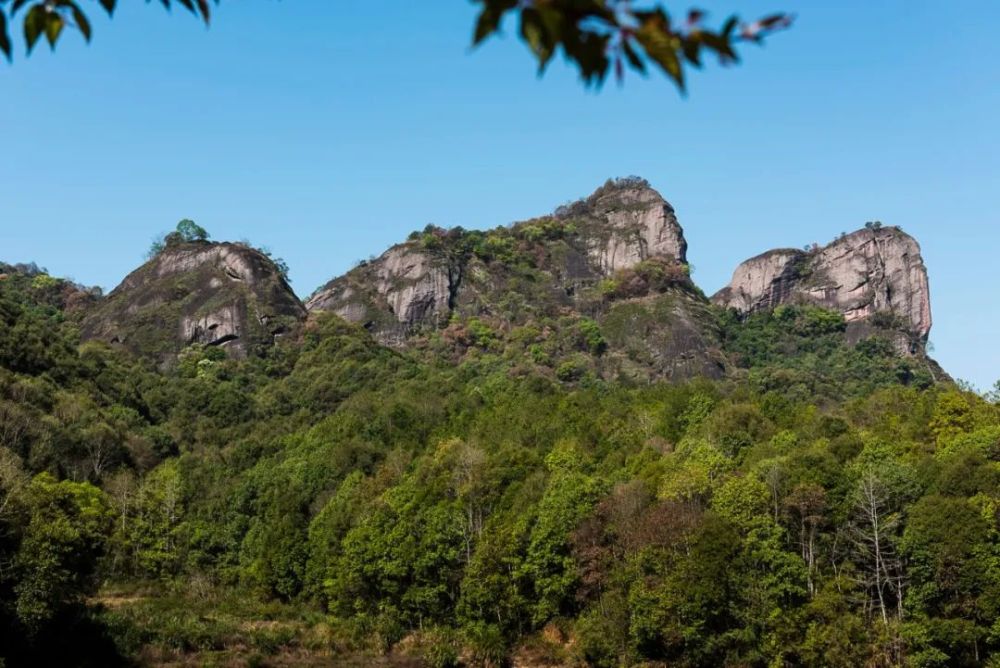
column 331, row 500
column 187, row 231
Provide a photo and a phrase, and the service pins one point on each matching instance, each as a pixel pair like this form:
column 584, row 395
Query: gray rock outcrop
column 873, row 273
column 623, row 223
column 213, row 294
column 410, row 284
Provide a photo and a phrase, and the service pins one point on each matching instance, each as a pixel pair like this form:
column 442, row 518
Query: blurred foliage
column 596, row 36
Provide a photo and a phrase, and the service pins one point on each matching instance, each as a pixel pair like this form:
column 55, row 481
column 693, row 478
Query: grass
column 157, row 626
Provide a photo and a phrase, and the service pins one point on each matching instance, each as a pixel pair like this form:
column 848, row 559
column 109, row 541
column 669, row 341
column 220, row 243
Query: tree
column 151, row 520
column 569, row 497
column 191, row 231
column 596, row 36
column 66, row 534
column 187, row 231
column 807, row 503
column 13, row 480
column 951, row 563
column 874, row 532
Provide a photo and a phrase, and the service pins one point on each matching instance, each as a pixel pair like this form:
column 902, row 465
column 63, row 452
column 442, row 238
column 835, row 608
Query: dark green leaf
column 5, row 45
column 490, row 17
column 17, row 5
column 34, row 25
column 662, row 48
column 54, row 25
column 81, row 20
column 204, row 9
column 633, row 58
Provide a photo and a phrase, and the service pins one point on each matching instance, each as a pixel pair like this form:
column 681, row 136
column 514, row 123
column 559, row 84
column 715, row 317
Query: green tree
column 951, row 565
column 151, row 523
column 549, row 564
column 191, row 231
column 66, row 533
column 187, row 231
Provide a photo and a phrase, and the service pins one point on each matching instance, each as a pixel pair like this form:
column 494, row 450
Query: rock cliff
column 623, row 223
column 598, row 288
column 407, row 287
column 621, row 244
column 214, row 294
column 874, row 277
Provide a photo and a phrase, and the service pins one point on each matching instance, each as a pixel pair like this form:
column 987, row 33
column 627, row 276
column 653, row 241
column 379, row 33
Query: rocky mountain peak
column 617, row 257
column 213, row 294
column 873, row 275
column 627, row 221
column 420, row 282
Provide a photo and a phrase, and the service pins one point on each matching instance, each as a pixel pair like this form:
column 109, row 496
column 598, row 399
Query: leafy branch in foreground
column 597, row 36
column 48, row 18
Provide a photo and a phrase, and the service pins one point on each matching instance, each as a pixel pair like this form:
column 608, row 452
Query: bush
column 486, row 644
column 440, row 649
column 651, row 276
column 572, row 369
column 593, row 339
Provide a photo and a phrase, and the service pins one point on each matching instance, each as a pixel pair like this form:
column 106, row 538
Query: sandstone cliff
column 874, row 277
column 585, row 260
column 405, row 288
column 625, row 222
column 414, row 284
column 214, row 294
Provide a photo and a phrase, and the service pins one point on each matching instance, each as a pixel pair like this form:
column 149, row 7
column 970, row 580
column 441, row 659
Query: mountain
column 536, row 445
column 875, row 277
column 599, row 288
column 616, row 258
column 213, row 294
column 424, row 280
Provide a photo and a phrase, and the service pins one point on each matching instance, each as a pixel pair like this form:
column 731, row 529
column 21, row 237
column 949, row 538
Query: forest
column 331, row 501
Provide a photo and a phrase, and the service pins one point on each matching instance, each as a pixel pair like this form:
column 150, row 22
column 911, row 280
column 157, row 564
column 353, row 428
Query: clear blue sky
column 328, row 129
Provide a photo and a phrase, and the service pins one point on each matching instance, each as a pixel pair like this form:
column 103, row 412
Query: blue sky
column 328, row 129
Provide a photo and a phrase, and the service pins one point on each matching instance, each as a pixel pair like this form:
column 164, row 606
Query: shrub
column 486, row 645
column 440, row 649
column 572, row 369
column 592, row 336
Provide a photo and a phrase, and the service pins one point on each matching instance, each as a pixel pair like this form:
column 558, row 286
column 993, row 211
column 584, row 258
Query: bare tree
column 13, row 480
column 807, row 504
column 873, row 531
column 469, row 487
column 15, row 426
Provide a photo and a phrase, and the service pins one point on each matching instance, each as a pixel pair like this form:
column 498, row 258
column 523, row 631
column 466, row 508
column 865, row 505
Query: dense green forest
column 334, row 501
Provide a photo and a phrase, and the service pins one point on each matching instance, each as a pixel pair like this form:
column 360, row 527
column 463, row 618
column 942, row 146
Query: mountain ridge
column 600, row 286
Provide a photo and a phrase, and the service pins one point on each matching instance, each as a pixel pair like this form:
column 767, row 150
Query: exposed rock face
column 623, row 223
column 626, row 222
column 215, row 294
column 403, row 289
column 762, row 282
column 871, row 272
column 545, row 268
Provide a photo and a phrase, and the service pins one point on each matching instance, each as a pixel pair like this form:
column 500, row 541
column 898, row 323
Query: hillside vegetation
column 565, row 455
column 492, row 494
